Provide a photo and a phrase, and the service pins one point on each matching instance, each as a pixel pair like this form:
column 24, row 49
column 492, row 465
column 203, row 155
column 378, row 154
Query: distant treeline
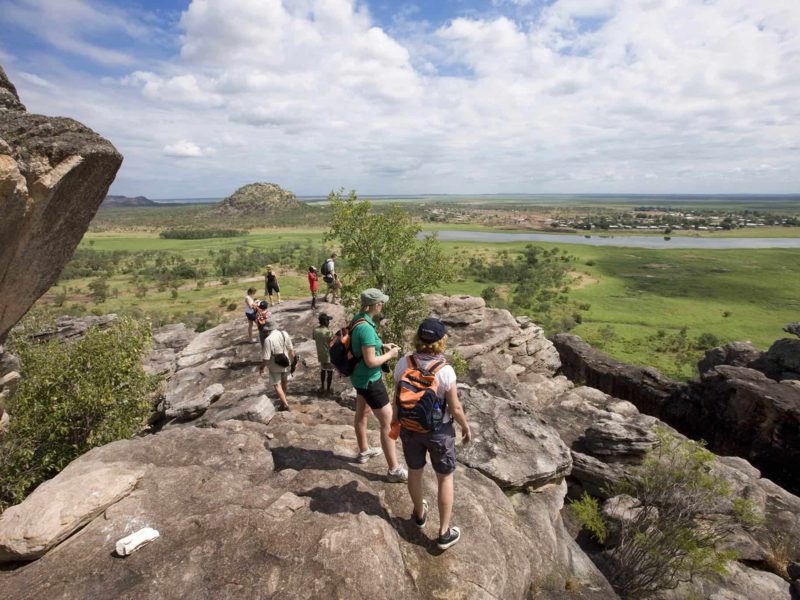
column 200, row 234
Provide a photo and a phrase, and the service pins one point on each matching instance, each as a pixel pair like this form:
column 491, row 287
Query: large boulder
column 781, row 361
column 54, row 174
column 511, row 445
column 735, row 354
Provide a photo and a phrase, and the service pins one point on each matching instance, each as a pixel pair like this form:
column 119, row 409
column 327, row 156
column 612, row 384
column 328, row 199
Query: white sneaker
column 367, row 454
column 399, row 475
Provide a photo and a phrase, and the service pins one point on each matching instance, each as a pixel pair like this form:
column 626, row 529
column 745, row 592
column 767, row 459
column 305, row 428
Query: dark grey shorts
column 441, row 445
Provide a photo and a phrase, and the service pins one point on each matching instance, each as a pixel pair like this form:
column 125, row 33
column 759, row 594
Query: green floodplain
column 634, row 301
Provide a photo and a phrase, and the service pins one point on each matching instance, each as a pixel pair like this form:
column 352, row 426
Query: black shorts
column 375, row 394
column 251, row 316
column 273, row 287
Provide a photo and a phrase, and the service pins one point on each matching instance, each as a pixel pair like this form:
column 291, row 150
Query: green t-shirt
column 322, row 339
column 364, row 335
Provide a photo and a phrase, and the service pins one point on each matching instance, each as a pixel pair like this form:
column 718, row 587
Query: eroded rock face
column 54, row 173
column 737, row 410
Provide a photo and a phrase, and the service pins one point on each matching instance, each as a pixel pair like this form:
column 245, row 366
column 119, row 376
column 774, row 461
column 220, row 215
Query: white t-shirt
column 277, row 342
column 249, row 304
column 445, row 378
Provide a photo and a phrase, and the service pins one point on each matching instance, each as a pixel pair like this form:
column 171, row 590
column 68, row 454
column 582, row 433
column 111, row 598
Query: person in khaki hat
column 367, row 378
column 277, row 347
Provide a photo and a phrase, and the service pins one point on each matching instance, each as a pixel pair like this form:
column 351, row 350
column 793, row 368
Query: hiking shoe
column 367, row 454
column 399, row 475
column 448, row 539
column 421, row 521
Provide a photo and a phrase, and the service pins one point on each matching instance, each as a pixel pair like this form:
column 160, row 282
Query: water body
column 632, row 241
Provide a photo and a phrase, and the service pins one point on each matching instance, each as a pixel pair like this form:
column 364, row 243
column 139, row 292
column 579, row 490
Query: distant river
column 632, row 241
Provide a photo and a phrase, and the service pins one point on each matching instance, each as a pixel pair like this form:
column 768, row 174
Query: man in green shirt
column 371, row 394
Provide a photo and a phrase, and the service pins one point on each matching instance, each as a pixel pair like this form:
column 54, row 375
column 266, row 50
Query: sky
column 394, row 97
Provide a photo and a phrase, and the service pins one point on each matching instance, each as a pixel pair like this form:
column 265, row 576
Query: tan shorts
column 276, row 378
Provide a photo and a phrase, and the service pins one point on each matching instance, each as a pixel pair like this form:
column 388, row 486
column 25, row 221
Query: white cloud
column 35, row 79
column 69, row 25
column 186, row 149
column 581, row 95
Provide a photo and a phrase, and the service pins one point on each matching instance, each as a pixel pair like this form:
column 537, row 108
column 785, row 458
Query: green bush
column 684, row 513
column 72, row 397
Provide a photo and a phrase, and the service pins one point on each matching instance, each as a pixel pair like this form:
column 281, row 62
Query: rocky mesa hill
column 255, row 199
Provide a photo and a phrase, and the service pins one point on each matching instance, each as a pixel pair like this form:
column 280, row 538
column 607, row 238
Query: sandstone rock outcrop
column 251, row 502
column 277, row 506
column 737, row 410
column 54, row 173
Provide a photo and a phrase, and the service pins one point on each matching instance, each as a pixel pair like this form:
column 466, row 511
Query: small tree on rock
column 680, row 512
column 382, row 250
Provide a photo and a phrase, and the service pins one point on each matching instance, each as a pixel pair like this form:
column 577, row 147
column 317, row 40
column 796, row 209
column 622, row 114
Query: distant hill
column 260, row 199
column 118, row 201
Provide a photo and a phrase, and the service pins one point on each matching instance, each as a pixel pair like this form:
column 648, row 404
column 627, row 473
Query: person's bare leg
column 271, row 301
column 360, row 423
column 384, row 416
column 415, row 489
column 249, row 330
column 278, row 294
column 281, row 394
column 445, row 501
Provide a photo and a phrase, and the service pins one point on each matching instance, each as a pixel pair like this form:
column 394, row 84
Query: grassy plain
column 631, row 300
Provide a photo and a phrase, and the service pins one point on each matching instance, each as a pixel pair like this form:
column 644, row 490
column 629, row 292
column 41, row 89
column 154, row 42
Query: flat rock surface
column 511, row 445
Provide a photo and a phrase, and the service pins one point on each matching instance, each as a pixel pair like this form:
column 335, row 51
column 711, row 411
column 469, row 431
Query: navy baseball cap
column 431, row 330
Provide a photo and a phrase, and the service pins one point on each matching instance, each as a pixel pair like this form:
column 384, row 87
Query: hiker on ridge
column 330, row 277
column 271, row 285
column 322, row 339
column 277, row 357
column 313, row 285
column 250, row 311
column 367, row 378
column 434, row 433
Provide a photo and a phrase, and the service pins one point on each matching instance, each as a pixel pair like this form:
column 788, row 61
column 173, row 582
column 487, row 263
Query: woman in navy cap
column 430, row 430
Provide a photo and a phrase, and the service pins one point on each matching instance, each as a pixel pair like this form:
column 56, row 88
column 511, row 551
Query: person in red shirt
column 313, row 285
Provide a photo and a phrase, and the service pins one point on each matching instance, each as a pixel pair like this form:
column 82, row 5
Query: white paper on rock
column 134, row 541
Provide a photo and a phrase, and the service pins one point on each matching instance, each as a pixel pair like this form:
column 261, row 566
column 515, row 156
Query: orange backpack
column 419, row 407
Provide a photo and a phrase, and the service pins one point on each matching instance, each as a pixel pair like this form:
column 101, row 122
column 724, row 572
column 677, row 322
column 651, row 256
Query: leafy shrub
column 458, row 362
column 684, row 512
column 706, row 340
column 72, row 397
column 232, row 306
column 587, row 509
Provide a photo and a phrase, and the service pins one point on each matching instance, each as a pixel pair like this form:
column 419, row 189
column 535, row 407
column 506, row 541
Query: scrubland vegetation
column 72, row 398
column 660, row 308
